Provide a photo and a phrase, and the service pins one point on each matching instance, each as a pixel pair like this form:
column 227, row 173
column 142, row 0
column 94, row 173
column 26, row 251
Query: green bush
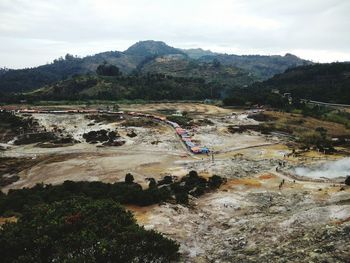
column 347, row 180
column 181, row 120
column 215, row 181
column 82, row 230
column 128, row 192
column 181, row 198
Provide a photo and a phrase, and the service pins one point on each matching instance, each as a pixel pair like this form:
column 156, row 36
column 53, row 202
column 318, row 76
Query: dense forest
column 321, row 82
column 23, row 79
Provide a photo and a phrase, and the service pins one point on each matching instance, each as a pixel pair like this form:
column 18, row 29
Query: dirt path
column 247, row 147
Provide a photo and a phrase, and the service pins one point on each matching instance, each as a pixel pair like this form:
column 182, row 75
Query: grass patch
column 140, row 122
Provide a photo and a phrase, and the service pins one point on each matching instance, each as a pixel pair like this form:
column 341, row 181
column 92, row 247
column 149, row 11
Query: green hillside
column 182, row 66
column 263, row 67
column 151, row 48
column 321, row 82
column 170, row 77
column 149, row 87
column 146, row 56
column 31, row 78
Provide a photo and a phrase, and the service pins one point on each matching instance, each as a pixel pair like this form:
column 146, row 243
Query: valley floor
column 249, row 219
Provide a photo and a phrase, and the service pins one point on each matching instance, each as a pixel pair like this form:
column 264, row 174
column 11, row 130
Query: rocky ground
column 252, row 218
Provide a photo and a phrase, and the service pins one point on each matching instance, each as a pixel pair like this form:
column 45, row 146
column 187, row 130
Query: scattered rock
column 131, row 134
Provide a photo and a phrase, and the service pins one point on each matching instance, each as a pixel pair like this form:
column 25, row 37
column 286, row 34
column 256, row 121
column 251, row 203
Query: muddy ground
column 249, row 219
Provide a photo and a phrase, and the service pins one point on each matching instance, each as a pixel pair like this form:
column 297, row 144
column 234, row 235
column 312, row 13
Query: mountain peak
column 290, row 55
column 151, row 48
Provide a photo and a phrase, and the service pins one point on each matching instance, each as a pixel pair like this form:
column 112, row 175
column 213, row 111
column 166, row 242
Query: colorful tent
column 190, row 144
column 204, row 150
column 180, row 131
column 195, row 149
column 186, row 138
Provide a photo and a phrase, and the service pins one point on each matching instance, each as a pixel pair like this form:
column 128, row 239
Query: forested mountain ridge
column 263, row 67
column 322, row 82
column 23, row 80
column 138, row 59
column 3, row 70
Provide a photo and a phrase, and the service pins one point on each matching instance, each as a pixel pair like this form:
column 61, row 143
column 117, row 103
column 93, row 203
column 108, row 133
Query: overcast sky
column 34, row 32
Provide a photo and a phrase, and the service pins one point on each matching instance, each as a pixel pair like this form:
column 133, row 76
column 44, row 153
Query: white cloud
column 41, row 30
column 322, row 56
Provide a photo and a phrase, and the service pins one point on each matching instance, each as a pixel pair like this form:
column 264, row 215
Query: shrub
column 128, row 192
column 215, row 181
column 347, row 180
column 152, row 183
column 82, row 230
column 181, row 120
column 129, row 178
column 181, row 198
column 166, row 180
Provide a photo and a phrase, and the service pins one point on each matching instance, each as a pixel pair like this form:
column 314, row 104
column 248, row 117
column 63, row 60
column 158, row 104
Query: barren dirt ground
column 249, row 219
column 196, row 108
column 155, row 151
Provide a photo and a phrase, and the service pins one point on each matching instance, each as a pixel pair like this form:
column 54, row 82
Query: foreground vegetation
column 83, row 221
column 82, row 230
column 127, row 192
